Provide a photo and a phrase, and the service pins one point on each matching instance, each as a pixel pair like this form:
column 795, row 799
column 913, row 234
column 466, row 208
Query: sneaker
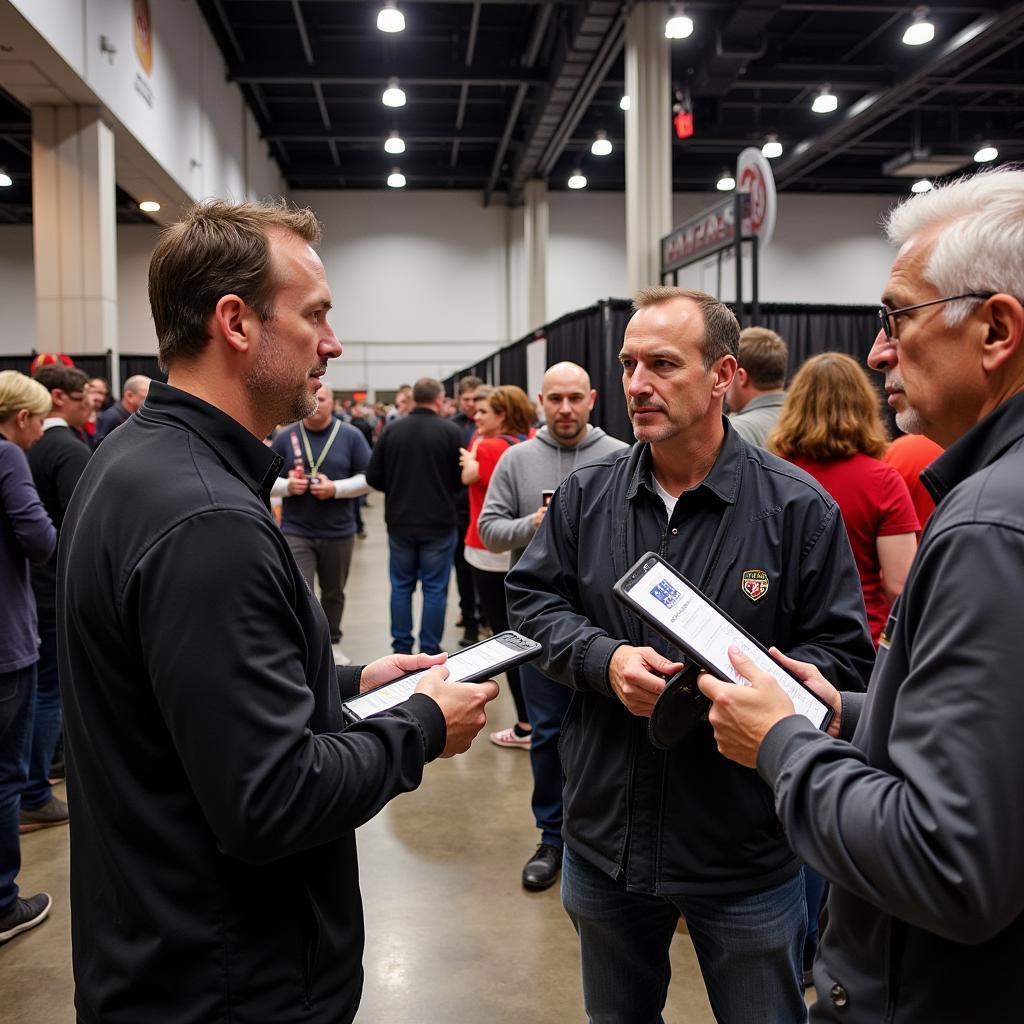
column 53, row 812
column 340, row 657
column 469, row 638
column 510, row 738
column 57, row 772
column 541, row 870
column 23, row 915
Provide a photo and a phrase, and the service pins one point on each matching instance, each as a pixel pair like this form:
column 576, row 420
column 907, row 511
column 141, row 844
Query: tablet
column 483, row 660
column 673, row 606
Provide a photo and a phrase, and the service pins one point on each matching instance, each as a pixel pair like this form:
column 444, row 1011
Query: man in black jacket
column 213, row 787
column 650, row 833
column 416, row 465
column 57, row 461
column 916, row 820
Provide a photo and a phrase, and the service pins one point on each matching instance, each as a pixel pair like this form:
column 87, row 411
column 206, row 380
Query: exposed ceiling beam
column 371, row 71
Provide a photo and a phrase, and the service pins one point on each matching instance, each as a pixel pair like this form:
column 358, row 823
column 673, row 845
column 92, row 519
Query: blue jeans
column 427, row 560
column 46, row 722
column 546, row 705
column 17, row 700
column 748, row 946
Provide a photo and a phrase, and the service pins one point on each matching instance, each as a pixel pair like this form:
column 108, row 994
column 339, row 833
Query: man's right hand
column 538, row 516
column 462, row 705
column 297, row 484
column 637, row 676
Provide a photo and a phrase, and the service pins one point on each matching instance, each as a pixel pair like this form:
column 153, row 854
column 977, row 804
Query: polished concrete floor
column 452, row 937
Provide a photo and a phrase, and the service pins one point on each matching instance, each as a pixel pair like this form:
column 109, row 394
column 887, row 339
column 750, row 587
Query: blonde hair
column 830, row 412
column 19, row 392
column 514, row 404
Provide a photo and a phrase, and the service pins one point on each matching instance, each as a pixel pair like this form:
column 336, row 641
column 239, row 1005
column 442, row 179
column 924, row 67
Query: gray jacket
column 756, row 420
column 917, row 821
column 524, row 471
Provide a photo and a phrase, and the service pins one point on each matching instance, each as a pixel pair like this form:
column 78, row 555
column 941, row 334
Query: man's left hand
column 383, row 670
column 742, row 715
column 322, row 488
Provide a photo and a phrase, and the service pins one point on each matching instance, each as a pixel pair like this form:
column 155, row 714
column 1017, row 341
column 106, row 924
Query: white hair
column 980, row 244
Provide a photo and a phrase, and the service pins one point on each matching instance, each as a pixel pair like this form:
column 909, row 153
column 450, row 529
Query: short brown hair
column 469, row 384
column 514, row 404
column 68, row 378
column 218, row 249
column 426, row 391
column 721, row 328
column 765, row 356
column 831, row 411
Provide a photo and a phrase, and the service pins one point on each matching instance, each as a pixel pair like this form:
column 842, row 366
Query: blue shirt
column 331, row 518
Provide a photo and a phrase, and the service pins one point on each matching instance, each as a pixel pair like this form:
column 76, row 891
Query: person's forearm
column 352, row 486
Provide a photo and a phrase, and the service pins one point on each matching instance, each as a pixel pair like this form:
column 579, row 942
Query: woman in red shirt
column 830, row 426
column 504, row 416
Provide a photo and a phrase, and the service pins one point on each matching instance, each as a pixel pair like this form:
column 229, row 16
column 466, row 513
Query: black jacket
column 686, row 820
column 917, row 821
column 56, row 461
column 213, row 790
column 416, row 464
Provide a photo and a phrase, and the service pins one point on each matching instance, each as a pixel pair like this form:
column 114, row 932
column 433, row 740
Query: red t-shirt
column 875, row 503
column 908, row 455
column 488, row 451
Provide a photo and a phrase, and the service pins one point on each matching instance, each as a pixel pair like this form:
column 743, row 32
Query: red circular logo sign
column 752, row 181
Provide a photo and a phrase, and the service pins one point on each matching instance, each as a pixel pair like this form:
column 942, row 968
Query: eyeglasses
column 888, row 316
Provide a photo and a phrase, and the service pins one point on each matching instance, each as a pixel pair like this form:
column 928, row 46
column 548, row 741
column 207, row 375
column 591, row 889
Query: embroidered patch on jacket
column 754, row 583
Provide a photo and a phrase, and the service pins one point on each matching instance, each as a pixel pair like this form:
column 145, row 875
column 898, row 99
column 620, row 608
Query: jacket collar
column 985, row 442
column 722, row 481
column 250, row 459
column 773, row 400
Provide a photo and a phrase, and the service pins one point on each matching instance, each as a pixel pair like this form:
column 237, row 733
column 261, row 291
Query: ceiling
column 504, row 91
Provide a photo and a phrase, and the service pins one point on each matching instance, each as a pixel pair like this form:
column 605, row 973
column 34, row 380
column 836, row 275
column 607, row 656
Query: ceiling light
column 601, row 146
column 726, row 183
column 396, row 179
column 5, row 180
column 149, row 206
column 390, row 18
column 921, row 185
column 624, row 103
column 920, row 30
column 986, row 154
column 393, row 96
column 825, row 102
column 772, row 147
column 394, row 144
column 679, row 26
column 577, row 180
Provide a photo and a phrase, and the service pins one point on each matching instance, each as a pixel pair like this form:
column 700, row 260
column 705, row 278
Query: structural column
column 74, row 231
column 648, row 143
column 535, row 245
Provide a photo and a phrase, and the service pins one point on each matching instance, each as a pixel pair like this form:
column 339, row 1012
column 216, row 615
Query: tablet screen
column 685, row 614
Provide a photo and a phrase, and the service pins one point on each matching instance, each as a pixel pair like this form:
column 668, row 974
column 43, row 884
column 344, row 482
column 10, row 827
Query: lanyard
column 315, row 466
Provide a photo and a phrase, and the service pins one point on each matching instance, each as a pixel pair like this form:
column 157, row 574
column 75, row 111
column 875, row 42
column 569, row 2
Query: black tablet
column 483, row 660
column 673, row 606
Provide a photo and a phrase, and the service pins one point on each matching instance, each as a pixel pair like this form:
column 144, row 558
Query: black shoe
column 541, row 870
column 468, row 638
column 23, row 915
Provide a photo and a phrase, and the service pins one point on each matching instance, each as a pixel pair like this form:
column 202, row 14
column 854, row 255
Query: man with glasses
column 56, row 461
column 916, row 819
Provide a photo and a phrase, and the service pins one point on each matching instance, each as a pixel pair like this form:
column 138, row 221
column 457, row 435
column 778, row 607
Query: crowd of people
column 883, row 575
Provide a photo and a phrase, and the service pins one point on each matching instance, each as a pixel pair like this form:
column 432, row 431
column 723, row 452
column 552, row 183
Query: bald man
column 513, row 511
column 133, row 396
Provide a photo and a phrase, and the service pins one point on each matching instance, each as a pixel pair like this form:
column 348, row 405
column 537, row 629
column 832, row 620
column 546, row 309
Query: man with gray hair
column 652, row 833
column 911, row 806
column 755, row 396
column 133, row 396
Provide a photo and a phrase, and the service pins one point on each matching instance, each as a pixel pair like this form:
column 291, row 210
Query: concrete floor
column 452, row 937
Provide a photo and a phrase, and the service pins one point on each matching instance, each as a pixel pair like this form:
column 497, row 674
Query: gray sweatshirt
column 522, row 473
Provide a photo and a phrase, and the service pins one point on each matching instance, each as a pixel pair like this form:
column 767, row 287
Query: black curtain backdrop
column 94, row 365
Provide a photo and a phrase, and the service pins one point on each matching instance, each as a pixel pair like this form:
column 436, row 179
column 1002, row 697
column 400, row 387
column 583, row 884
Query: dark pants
column 330, row 561
column 490, row 587
column 546, row 704
column 426, row 559
column 17, row 701
column 464, row 582
column 46, row 721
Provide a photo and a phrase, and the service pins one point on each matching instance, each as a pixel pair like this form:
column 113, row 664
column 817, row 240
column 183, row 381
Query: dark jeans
column 46, row 722
column 748, row 946
column 490, row 588
column 17, row 701
column 329, row 559
column 426, row 559
column 546, row 704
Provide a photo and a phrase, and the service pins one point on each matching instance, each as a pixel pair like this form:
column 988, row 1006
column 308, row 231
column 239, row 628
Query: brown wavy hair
column 831, row 412
column 514, row 404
